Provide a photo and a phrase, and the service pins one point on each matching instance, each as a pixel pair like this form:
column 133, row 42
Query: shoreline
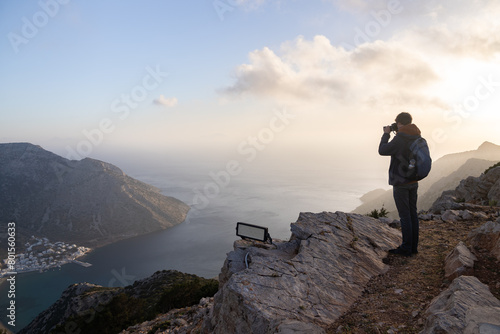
column 4, row 272
column 42, row 270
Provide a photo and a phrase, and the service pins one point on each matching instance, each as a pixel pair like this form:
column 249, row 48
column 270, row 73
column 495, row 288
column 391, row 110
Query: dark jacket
column 398, row 149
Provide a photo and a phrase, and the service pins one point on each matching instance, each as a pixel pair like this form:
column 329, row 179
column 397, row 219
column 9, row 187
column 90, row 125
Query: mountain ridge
column 86, row 201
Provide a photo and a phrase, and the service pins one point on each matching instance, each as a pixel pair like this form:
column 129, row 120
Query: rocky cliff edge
column 303, row 284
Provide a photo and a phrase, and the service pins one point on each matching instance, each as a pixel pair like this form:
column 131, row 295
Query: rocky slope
column 88, row 202
column 482, row 190
column 89, row 308
column 446, row 174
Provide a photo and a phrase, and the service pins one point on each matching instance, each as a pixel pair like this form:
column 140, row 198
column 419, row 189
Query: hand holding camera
column 392, row 127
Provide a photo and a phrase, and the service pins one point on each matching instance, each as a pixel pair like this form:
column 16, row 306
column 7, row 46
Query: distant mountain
column 88, row 202
column 372, row 195
column 452, row 162
column 446, row 174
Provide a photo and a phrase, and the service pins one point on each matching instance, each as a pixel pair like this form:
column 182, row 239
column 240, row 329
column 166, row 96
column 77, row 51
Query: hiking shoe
column 399, row 251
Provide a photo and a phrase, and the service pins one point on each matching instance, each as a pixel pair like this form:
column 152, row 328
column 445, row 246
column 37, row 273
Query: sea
column 198, row 245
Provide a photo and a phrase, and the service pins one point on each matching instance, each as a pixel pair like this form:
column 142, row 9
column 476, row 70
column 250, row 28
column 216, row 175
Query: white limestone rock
column 459, row 262
column 466, row 307
column 310, row 280
column 487, row 237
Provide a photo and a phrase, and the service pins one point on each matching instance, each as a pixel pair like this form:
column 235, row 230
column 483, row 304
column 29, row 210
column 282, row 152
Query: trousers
column 405, row 197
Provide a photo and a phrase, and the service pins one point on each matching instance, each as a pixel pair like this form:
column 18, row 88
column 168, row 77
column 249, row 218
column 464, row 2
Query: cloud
column 304, row 70
column 167, row 102
column 402, row 71
column 429, row 60
column 318, row 72
column 478, row 41
column 460, row 28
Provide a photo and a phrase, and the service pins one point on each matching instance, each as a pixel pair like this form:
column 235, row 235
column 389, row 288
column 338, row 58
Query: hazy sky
column 310, row 82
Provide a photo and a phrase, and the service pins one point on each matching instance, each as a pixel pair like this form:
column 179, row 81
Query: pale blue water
column 199, row 245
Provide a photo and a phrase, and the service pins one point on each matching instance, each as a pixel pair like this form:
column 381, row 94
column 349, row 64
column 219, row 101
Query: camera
column 394, row 127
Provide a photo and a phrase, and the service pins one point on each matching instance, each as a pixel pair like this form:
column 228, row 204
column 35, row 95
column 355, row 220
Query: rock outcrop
column 466, row 307
column 88, row 202
column 459, row 262
column 89, row 308
column 483, row 190
column 487, row 237
column 305, row 283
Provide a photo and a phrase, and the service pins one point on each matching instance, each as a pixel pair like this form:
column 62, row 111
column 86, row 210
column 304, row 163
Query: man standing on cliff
column 404, row 189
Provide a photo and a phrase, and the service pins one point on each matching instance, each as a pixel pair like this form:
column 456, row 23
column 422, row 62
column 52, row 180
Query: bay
column 198, row 245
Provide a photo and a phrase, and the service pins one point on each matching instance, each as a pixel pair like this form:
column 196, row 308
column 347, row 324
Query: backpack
column 419, row 160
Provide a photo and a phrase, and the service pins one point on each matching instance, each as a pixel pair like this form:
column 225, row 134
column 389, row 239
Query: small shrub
column 373, row 214
column 383, row 212
column 378, row 214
